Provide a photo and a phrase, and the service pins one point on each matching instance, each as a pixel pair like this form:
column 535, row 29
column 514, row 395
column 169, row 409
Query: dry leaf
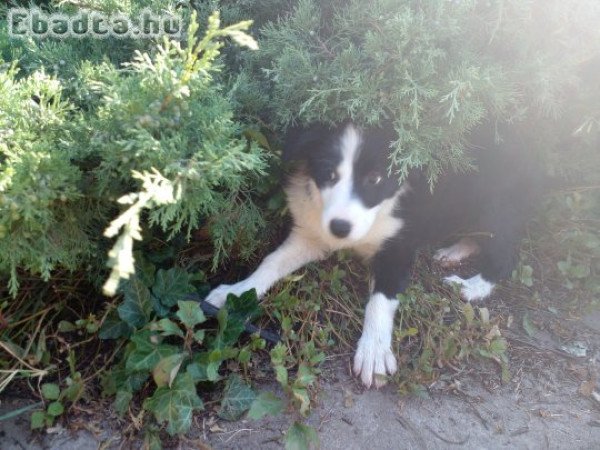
column 587, row 388
column 348, row 399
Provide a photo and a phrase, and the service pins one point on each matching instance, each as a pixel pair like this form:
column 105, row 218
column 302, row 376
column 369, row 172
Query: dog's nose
column 340, row 228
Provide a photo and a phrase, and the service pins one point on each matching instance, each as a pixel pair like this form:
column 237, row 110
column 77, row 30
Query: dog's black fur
column 491, row 203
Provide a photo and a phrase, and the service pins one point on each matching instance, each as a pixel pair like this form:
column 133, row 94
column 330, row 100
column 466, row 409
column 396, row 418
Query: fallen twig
column 449, row 441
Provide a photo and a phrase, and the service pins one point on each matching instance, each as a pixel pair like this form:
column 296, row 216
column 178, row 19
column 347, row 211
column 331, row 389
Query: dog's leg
column 295, row 252
column 374, row 358
column 499, row 253
column 454, row 254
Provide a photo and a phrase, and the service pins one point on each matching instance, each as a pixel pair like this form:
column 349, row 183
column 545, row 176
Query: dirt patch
column 533, row 411
column 537, row 409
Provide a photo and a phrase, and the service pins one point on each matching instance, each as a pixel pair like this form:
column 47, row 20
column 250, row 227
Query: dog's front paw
column 218, row 296
column 373, row 361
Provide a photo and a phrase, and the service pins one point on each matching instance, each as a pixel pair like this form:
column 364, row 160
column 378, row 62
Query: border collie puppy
column 342, row 196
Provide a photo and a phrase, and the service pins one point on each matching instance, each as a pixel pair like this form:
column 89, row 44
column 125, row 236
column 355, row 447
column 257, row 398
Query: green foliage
column 155, row 134
column 435, row 69
column 56, row 398
column 238, row 397
column 297, row 359
column 301, row 437
column 175, row 404
column 566, row 245
column 435, row 330
column 157, row 116
column 170, row 346
column 264, row 404
column 40, row 226
column 524, row 274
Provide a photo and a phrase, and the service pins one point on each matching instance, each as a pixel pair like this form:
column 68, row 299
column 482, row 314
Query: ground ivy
column 171, row 347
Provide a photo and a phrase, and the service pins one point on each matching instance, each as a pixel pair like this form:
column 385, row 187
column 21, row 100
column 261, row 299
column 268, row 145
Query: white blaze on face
column 339, row 202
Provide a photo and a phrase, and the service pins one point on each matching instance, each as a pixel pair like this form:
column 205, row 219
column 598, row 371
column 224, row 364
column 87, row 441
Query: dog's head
column 349, row 168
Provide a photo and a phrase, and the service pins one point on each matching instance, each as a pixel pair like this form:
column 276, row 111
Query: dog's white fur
column 472, row 289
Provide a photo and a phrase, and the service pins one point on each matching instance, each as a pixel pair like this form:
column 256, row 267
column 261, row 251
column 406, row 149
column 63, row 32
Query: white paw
column 218, row 296
column 373, row 361
column 473, row 289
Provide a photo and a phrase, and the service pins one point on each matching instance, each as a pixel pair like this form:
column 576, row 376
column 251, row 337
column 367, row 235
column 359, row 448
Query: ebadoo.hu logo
column 34, row 22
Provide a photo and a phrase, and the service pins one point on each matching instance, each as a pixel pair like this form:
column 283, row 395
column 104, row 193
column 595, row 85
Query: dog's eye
column 333, row 176
column 373, row 178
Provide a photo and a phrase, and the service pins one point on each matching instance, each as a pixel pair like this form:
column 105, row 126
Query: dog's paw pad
column 455, row 254
column 373, row 362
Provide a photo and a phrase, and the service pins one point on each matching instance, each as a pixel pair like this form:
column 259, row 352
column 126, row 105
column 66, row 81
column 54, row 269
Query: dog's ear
column 301, row 141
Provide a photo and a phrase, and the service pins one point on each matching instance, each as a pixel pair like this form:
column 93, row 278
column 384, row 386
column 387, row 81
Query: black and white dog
column 342, row 196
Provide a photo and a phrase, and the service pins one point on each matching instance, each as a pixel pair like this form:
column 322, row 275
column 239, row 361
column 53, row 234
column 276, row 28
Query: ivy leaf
column 175, row 405
column 265, row 403
column 146, row 354
column 237, row 398
column 300, row 437
column 231, row 325
column 114, row 328
column 152, row 440
column 144, row 269
column 199, row 336
column 167, row 368
column 205, row 366
column 208, row 371
column 245, row 307
column 167, row 328
column 190, row 313
column 122, row 400
column 50, row 391
column 136, row 307
column 229, row 330
column 172, row 285
column 160, row 309
column 136, row 381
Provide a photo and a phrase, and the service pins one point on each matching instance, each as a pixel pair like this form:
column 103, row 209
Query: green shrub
column 155, row 133
column 435, row 69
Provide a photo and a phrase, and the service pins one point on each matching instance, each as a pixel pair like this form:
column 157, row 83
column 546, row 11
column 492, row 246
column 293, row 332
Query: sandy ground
column 535, row 411
column 532, row 412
